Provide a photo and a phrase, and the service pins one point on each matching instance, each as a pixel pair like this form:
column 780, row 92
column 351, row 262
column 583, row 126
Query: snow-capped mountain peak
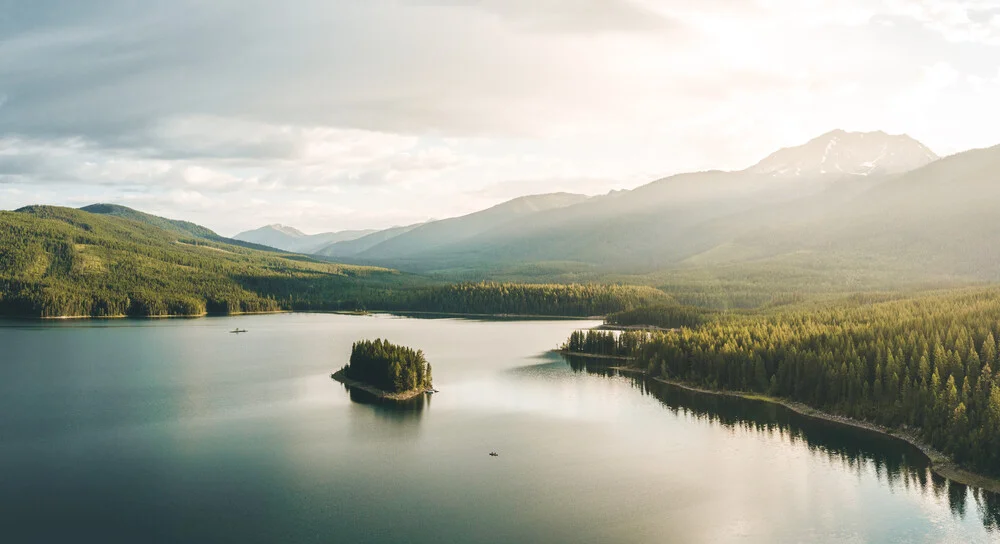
column 840, row 153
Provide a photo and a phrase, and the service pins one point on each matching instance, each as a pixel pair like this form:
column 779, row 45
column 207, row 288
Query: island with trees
column 386, row 370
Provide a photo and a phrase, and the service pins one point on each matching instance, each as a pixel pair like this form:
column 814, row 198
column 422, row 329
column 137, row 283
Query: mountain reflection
column 895, row 462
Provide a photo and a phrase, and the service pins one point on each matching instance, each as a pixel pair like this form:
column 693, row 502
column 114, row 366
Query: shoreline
column 592, row 356
column 940, row 463
column 539, row 317
column 155, row 316
column 405, row 395
column 401, row 313
column 645, row 328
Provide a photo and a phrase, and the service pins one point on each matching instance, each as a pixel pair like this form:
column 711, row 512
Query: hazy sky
column 328, row 114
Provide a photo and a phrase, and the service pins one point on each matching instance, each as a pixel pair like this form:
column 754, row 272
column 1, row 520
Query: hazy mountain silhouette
column 867, row 199
column 292, row 239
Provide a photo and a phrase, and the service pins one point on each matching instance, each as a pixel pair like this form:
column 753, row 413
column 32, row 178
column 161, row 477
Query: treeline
column 607, row 343
column 663, row 316
column 579, row 300
column 389, row 367
column 410, row 293
column 927, row 363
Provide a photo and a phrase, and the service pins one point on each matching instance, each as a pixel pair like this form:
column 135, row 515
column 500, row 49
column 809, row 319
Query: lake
column 176, row 430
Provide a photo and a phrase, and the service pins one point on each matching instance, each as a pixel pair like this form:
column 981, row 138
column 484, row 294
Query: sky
column 343, row 114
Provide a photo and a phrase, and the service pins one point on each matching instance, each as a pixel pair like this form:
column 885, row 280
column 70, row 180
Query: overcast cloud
column 329, row 115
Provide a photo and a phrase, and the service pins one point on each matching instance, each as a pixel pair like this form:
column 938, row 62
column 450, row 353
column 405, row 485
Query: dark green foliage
column 124, row 212
column 182, row 227
column 925, row 363
column 389, row 367
column 65, row 262
column 663, row 316
column 61, row 261
column 609, row 343
column 529, row 299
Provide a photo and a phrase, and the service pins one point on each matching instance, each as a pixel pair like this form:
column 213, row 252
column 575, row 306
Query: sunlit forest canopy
column 61, row 261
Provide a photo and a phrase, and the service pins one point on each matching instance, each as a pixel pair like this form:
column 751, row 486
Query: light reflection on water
column 896, row 463
column 177, row 431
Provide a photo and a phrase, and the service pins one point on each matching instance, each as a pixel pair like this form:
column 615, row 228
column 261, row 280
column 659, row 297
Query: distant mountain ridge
column 871, row 202
column 848, row 153
column 438, row 234
column 411, row 239
column 350, row 248
column 292, row 239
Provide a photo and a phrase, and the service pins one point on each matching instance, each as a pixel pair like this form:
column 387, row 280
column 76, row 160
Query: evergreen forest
column 927, row 364
column 391, row 368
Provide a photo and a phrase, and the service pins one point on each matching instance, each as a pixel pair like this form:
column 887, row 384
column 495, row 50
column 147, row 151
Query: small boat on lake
column 494, row 454
column 238, row 331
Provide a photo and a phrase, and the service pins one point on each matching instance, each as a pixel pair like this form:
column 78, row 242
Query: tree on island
column 391, row 368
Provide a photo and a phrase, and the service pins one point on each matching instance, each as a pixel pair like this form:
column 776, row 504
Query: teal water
column 177, row 431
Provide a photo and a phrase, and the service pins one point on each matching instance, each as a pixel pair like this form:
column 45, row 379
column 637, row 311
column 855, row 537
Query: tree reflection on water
column 894, row 461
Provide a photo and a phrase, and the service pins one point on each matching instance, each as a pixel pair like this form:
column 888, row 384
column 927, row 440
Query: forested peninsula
column 387, row 370
column 919, row 367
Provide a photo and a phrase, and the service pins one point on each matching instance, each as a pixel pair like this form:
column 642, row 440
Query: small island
column 386, row 370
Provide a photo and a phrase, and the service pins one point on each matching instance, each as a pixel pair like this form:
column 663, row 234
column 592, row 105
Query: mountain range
column 842, row 212
column 861, row 197
column 412, row 242
column 291, row 239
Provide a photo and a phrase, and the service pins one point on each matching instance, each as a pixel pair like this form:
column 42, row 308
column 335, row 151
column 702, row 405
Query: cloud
column 955, row 20
column 390, row 111
column 117, row 72
column 573, row 16
column 224, row 155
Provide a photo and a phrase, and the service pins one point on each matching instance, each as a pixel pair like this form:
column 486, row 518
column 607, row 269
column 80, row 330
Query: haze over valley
column 867, row 207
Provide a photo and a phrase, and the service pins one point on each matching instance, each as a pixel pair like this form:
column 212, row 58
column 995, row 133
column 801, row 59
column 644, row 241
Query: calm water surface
column 175, row 430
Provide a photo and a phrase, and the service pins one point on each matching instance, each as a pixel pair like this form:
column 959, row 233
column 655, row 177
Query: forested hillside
column 531, row 299
column 173, row 225
column 61, row 261
column 65, row 262
column 927, row 362
column 664, row 316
